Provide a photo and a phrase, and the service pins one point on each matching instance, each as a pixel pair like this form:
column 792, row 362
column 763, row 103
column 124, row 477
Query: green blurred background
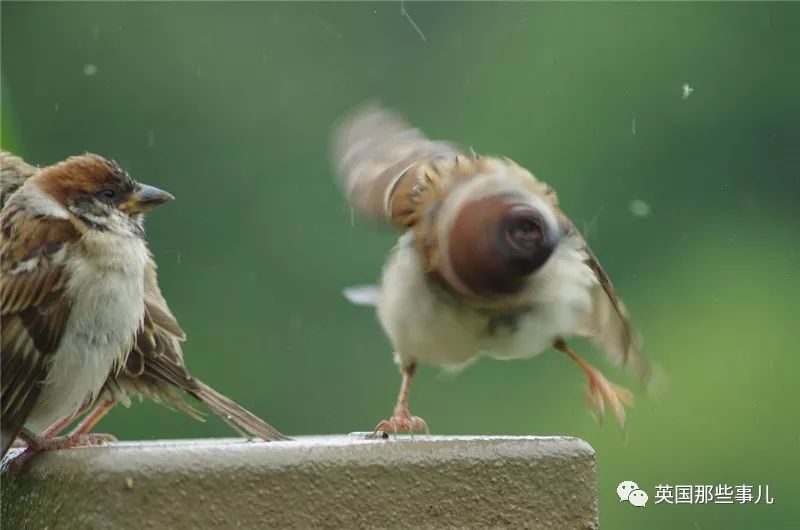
column 229, row 106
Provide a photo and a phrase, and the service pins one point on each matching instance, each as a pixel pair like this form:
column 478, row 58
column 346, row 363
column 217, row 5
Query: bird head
column 99, row 192
column 496, row 237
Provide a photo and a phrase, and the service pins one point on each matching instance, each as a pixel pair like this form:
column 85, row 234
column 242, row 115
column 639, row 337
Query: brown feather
column 610, row 326
column 379, row 157
column 34, row 310
column 472, row 250
column 80, row 174
column 14, row 171
column 155, row 366
column 392, row 173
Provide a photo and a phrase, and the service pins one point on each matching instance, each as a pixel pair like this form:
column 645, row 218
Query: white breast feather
column 422, row 326
column 108, row 307
column 419, row 323
column 560, row 297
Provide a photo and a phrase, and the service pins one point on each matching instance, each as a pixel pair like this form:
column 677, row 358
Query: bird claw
column 403, row 423
column 600, row 391
column 15, row 464
column 83, row 440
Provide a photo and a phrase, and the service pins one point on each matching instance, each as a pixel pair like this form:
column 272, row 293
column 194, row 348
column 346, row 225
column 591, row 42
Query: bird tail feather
column 235, row 416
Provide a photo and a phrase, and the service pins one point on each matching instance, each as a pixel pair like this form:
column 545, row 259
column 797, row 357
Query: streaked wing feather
column 610, row 324
column 13, row 173
column 378, row 154
column 34, row 310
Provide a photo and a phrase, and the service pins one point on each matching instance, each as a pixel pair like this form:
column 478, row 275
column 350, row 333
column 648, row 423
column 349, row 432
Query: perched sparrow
column 84, row 324
column 488, row 262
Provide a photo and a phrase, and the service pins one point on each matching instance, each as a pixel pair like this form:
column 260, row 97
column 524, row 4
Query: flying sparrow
column 84, row 322
column 488, row 263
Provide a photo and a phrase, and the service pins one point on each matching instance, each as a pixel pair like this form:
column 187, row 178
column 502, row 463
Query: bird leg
column 37, row 444
column 59, row 425
column 90, row 420
column 401, row 419
column 600, row 390
column 55, row 428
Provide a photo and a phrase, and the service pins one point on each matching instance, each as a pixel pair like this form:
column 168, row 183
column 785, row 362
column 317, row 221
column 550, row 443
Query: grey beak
column 145, row 198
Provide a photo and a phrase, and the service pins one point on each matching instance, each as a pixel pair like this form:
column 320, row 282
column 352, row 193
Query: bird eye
column 107, row 193
column 524, row 232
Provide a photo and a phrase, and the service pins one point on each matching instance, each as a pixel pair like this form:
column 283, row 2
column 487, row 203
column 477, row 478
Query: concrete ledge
column 332, row 482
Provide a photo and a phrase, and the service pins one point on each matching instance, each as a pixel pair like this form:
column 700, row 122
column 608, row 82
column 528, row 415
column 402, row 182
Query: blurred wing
column 609, row 325
column 34, row 310
column 380, row 159
column 13, row 173
column 155, row 368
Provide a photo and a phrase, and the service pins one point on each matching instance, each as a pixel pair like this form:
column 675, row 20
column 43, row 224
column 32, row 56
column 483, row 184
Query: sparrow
column 83, row 319
column 487, row 262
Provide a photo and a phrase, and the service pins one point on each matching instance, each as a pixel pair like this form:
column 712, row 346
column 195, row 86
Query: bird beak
column 145, row 198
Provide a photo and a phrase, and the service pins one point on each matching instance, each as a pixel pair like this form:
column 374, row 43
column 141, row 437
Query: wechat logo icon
column 629, row 491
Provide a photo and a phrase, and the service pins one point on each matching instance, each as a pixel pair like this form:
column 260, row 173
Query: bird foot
column 600, row 391
column 38, row 445
column 76, row 440
column 403, row 421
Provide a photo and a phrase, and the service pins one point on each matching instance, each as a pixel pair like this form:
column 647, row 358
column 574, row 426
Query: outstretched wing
column 393, row 174
column 384, row 165
column 34, row 309
column 609, row 325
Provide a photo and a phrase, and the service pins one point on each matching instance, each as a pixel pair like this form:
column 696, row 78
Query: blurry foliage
column 229, row 106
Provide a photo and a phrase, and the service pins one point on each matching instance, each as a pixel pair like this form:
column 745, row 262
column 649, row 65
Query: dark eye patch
column 118, row 185
column 120, row 179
